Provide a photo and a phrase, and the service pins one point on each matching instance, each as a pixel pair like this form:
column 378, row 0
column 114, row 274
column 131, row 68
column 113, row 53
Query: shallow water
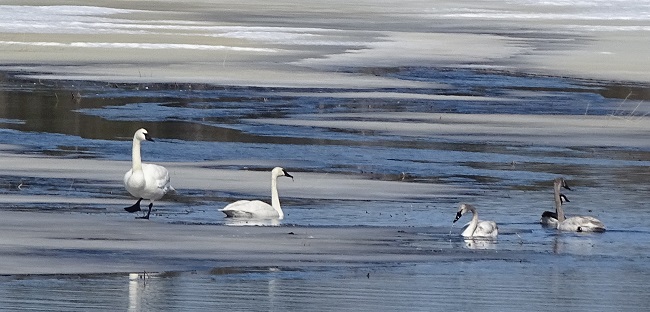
column 511, row 183
column 441, row 287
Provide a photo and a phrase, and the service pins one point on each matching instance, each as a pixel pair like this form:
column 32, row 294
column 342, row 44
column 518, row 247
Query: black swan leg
column 148, row 213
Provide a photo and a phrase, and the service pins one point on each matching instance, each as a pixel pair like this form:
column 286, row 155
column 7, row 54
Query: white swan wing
column 486, row 229
column 237, row 210
column 158, row 177
column 249, row 209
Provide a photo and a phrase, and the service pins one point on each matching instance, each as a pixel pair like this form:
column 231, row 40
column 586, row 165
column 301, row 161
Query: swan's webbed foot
column 135, row 207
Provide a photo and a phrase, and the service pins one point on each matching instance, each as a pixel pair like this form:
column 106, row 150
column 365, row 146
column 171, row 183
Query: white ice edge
column 144, row 46
column 563, row 130
column 196, row 175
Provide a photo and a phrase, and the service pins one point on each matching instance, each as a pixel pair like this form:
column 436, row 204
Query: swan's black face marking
column 565, row 185
column 564, row 199
column 458, row 215
column 286, row 174
column 148, row 137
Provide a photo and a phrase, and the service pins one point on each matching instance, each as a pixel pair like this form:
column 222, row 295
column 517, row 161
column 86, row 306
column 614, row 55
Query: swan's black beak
column 148, row 137
column 565, row 185
column 286, row 174
column 458, row 215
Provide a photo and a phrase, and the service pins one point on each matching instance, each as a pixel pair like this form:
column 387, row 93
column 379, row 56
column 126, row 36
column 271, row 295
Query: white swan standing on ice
column 577, row 223
column 259, row 209
column 476, row 228
column 145, row 181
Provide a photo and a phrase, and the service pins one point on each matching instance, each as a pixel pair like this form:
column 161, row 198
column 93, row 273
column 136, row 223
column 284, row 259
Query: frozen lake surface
column 405, row 182
column 481, row 105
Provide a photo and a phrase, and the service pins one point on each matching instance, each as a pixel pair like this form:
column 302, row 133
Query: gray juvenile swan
column 145, row 181
column 259, row 209
column 476, row 228
column 549, row 218
column 577, row 223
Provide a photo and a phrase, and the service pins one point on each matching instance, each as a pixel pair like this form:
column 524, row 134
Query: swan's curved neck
column 275, row 198
column 558, row 201
column 135, row 155
column 469, row 231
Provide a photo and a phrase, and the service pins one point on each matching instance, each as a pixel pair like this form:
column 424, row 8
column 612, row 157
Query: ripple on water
column 559, row 283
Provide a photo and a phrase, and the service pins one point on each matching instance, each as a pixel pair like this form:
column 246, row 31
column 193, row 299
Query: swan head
column 142, row 135
column 462, row 209
column 280, row 172
column 560, row 182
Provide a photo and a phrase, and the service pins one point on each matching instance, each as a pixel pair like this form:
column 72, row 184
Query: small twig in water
column 223, row 64
column 621, row 104
column 634, row 110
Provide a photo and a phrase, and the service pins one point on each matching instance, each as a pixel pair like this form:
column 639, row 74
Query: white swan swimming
column 259, row 209
column 476, row 228
column 549, row 218
column 577, row 223
column 145, row 181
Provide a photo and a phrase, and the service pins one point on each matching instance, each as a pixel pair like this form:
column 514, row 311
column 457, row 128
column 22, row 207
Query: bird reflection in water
column 251, row 222
column 478, row 243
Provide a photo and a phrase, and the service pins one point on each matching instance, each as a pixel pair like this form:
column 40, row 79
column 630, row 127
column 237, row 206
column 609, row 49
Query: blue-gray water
column 558, row 284
column 549, row 270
